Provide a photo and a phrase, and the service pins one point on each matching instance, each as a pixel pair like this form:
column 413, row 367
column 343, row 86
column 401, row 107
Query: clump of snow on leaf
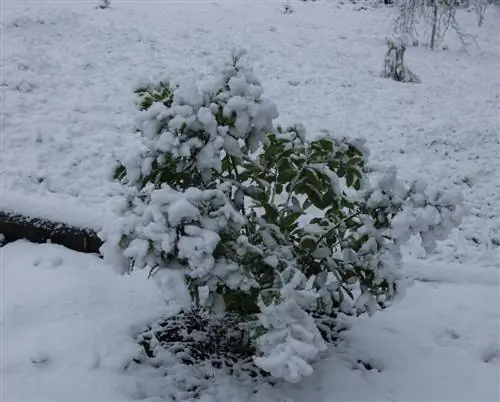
column 223, row 195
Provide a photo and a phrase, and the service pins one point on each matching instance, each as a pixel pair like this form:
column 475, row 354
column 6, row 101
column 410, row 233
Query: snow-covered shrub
column 264, row 224
column 394, row 66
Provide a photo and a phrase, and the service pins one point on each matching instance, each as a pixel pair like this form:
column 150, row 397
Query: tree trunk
column 434, row 23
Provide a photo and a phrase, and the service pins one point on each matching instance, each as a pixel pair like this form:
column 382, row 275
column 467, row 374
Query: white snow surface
column 66, row 76
column 68, row 324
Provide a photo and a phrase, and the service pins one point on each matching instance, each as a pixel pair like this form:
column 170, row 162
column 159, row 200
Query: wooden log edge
column 15, row 227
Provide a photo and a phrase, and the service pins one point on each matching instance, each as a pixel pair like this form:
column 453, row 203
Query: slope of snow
column 66, row 74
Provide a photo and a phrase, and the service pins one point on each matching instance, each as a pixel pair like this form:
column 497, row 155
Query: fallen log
column 37, row 230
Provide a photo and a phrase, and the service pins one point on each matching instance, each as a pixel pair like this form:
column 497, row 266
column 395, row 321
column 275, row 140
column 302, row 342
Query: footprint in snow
column 369, row 365
column 39, row 358
column 447, row 337
column 25, row 87
column 48, row 263
column 92, row 361
column 491, row 355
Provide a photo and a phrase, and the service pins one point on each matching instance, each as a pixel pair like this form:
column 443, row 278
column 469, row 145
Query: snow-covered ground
column 68, row 326
column 67, row 69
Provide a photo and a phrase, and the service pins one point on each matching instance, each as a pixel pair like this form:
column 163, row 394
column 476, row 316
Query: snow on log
column 38, row 230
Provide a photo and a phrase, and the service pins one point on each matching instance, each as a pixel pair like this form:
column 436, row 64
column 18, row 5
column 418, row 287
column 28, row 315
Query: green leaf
column 357, row 185
column 279, row 188
column 120, row 172
column 257, row 193
column 314, row 196
column 341, row 171
column 311, row 176
column 307, row 243
column 334, row 207
column 350, row 178
column 286, row 171
column 271, row 212
column 326, row 144
column 290, row 220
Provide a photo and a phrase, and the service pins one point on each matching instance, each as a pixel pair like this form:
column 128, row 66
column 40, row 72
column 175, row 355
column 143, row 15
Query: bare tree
column 480, row 7
column 406, row 22
column 438, row 16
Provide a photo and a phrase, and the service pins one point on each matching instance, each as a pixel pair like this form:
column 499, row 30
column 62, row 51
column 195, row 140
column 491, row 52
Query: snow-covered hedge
column 262, row 222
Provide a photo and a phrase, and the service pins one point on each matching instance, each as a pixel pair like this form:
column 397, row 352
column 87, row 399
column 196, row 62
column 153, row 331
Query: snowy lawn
column 67, row 71
column 68, row 325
